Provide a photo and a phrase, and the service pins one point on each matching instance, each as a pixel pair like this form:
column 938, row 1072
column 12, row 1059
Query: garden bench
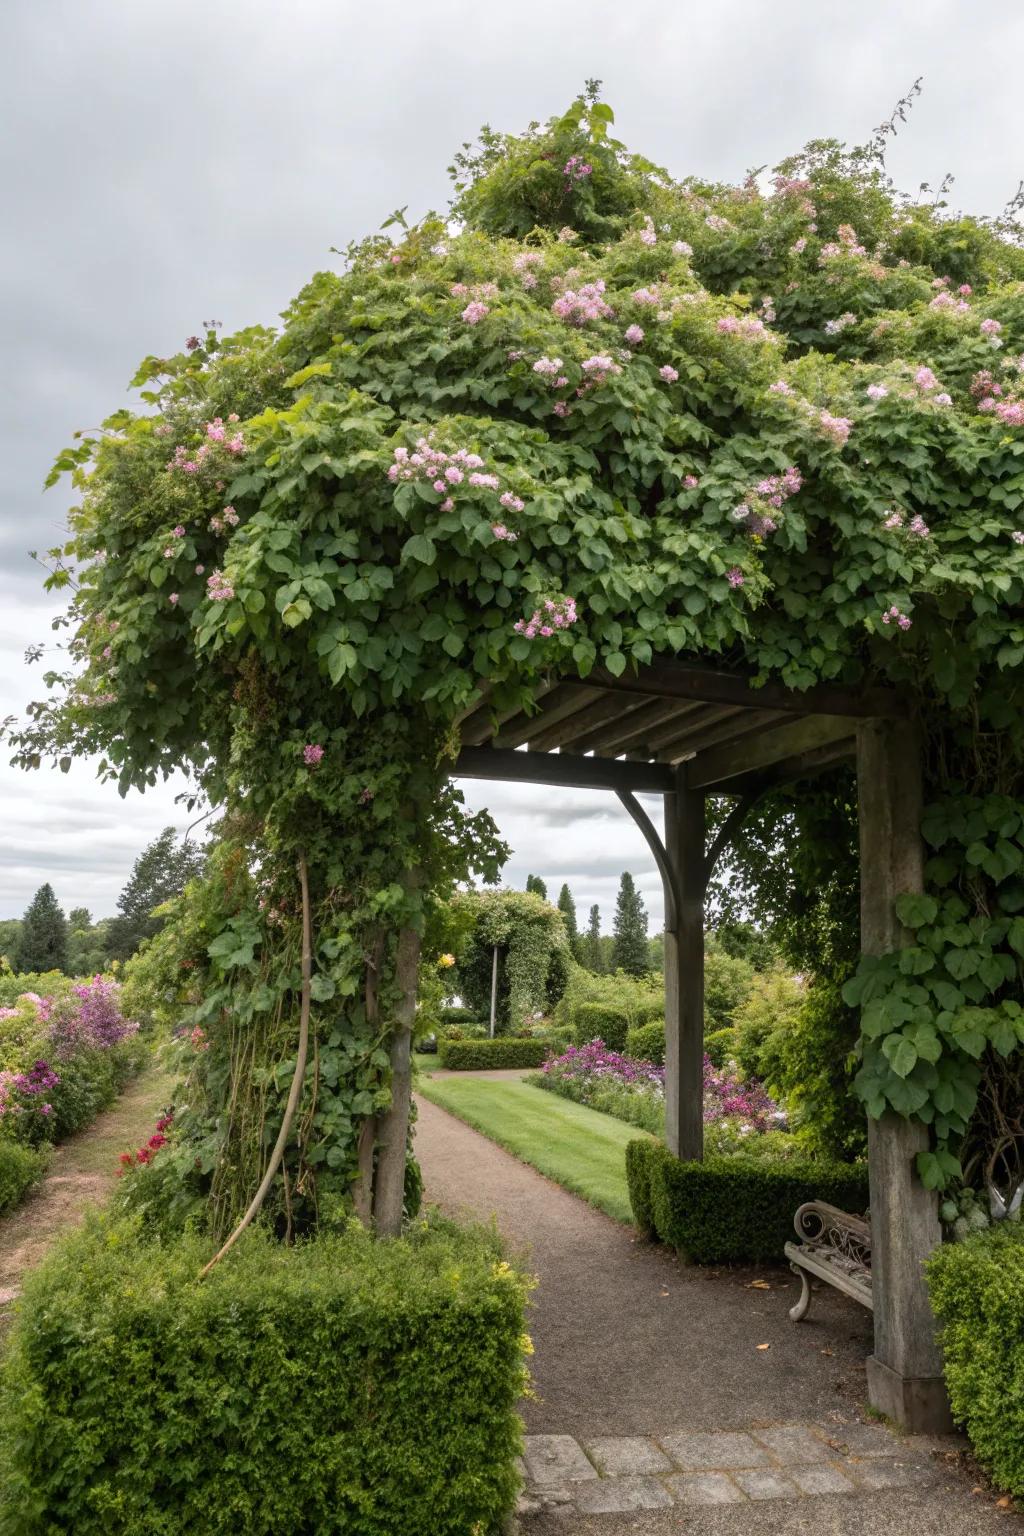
column 834, row 1247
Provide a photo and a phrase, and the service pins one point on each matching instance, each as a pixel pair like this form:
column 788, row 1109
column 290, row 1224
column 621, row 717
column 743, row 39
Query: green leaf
column 915, row 910
column 616, row 663
column 420, row 548
column 321, row 988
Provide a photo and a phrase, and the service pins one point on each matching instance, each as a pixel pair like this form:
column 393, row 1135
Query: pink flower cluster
column 747, row 327
column 218, row 588
column 634, row 335
column 894, row 615
column 474, row 312
column 575, row 169
column 502, row 534
column 600, row 367
column 648, row 235
column 312, row 754
column 947, row 301
column 557, row 613
column 917, row 527
column 216, row 436
column 523, row 265
column 646, row 297
column 735, row 576
column 228, row 519
column 876, row 392
column 835, row 427
column 840, row 323
column 668, row 373
column 578, row 305
column 767, row 496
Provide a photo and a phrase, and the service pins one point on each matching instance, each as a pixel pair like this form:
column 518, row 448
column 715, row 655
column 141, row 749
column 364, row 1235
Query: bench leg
column 799, row 1311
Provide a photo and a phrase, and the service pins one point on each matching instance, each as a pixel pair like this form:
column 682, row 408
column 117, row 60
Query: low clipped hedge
column 482, row 1055
column 20, row 1168
column 646, row 1042
column 345, row 1385
column 599, row 1021
column 977, row 1294
column 732, row 1208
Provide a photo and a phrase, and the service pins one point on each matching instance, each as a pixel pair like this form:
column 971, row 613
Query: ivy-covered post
column 389, row 1192
column 684, row 971
column 905, row 1372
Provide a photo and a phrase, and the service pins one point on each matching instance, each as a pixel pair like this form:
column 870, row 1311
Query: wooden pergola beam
column 751, row 755
column 564, row 770
column 684, row 680
column 561, row 702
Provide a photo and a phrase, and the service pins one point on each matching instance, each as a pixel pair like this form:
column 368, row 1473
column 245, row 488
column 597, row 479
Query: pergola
column 687, row 731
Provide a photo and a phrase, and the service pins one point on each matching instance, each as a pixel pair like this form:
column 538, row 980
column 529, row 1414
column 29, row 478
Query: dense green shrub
column 20, row 1167
column 809, row 1062
column 720, row 1045
column 457, row 1015
column 482, row 1055
column 646, row 1042
column 977, row 1292
column 767, row 1013
column 637, row 1001
column 728, row 980
column 340, row 1386
column 732, row 1208
column 42, row 983
column 599, row 1021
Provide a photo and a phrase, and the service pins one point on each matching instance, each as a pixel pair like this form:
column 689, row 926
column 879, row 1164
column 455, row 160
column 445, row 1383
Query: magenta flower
column 312, row 754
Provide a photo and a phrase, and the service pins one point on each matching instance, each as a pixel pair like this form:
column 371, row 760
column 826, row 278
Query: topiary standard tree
column 43, row 944
column 631, row 953
column 597, row 416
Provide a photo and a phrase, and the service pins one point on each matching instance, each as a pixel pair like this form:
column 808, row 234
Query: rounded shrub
column 646, row 1042
column 599, row 1021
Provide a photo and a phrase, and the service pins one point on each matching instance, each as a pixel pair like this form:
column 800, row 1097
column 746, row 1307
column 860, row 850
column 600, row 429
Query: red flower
column 157, row 1141
column 125, row 1159
column 144, row 1154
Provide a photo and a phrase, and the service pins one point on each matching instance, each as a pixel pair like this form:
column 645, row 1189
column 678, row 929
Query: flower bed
column 634, row 1091
column 63, row 1058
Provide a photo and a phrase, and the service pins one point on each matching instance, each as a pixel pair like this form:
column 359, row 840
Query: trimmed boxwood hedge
column 342, row 1387
column 732, row 1209
column 599, row 1021
column 977, row 1293
column 481, row 1055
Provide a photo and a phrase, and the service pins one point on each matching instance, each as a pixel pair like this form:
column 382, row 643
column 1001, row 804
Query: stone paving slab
column 626, row 1455
column 622, row 1495
column 701, row 1469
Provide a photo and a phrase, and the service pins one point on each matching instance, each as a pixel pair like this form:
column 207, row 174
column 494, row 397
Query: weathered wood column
column 904, row 1374
column 684, row 971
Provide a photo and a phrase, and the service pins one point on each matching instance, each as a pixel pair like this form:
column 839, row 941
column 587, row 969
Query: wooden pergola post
column 684, row 969
column 904, row 1374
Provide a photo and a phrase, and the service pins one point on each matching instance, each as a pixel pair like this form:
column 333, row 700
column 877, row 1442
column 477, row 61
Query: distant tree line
column 44, row 939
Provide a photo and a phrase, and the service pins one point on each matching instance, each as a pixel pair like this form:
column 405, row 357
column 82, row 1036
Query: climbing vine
column 593, row 416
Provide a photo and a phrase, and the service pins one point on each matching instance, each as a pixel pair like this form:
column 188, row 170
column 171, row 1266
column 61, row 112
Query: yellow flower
column 446, row 961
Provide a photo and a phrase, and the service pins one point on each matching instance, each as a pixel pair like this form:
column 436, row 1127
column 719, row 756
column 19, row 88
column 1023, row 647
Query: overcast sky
column 168, row 164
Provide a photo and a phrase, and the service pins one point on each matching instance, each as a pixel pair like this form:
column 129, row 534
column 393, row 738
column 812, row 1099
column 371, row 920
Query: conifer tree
column 535, row 884
column 161, row 871
column 631, row 953
column 593, row 956
column 44, row 934
column 567, row 907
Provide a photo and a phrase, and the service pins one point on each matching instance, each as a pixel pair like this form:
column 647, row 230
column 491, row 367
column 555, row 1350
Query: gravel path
column 631, row 1343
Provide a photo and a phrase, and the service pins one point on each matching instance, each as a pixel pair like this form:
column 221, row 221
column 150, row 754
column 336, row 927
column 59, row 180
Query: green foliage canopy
column 608, row 416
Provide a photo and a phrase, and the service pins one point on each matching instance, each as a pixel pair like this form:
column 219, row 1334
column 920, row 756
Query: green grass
column 577, row 1147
